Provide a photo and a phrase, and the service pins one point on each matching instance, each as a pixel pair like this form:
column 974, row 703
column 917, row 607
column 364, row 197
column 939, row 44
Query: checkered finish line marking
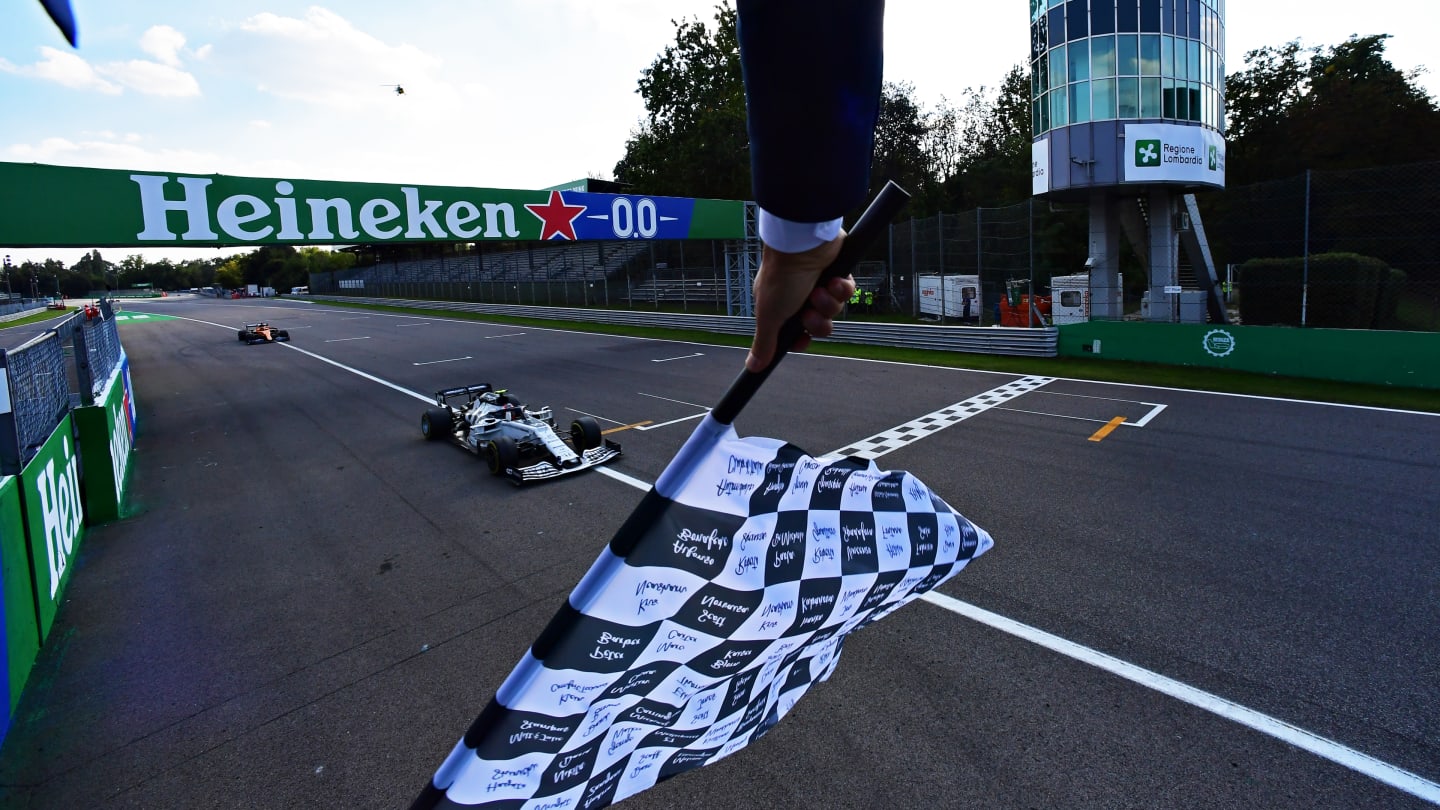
column 917, row 429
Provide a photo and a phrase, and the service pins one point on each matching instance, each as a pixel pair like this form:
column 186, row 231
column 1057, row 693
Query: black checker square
column 640, row 680
column 830, row 484
column 518, row 733
column 569, row 769
column 857, row 543
column 671, row 738
column 888, row 495
column 777, row 477
column 728, row 658
column 682, row 761
column 785, row 557
column 601, row 790
column 689, row 539
column 817, row 601
column 717, row 610
column 924, row 538
column 595, row 645
column 651, row 712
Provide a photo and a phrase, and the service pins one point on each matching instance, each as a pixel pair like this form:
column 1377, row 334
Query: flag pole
column 866, row 231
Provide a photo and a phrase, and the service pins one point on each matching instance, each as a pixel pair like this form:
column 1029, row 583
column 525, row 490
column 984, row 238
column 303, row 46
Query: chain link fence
column 1350, row 249
column 50, row 374
column 1015, row 249
column 1345, row 249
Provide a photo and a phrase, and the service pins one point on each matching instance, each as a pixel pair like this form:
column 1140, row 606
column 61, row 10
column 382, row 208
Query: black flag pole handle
column 866, row 231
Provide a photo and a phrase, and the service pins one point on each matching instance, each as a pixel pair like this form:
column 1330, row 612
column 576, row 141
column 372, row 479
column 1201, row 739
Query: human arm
column 812, row 85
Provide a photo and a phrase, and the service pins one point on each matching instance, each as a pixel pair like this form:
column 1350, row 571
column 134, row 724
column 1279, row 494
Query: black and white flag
column 721, row 601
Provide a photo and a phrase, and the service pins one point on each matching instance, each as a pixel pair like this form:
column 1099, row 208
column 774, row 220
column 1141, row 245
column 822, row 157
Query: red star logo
column 556, row 217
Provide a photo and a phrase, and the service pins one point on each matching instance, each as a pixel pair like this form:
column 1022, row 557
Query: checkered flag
column 724, row 598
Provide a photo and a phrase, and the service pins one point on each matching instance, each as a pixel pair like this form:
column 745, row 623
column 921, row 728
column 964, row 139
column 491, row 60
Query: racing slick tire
column 243, row 335
column 584, row 433
column 501, row 454
column 434, row 423
column 282, row 336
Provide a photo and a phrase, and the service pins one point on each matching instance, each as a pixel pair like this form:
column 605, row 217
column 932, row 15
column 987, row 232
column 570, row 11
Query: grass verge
column 40, row 315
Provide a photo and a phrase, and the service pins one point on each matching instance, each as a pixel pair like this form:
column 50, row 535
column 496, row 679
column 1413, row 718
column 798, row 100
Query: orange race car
column 262, row 332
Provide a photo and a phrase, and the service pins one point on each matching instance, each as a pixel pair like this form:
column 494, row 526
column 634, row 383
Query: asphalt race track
column 309, row 604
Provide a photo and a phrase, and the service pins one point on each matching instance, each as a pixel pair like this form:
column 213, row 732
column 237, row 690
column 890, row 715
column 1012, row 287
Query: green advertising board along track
column 64, row 206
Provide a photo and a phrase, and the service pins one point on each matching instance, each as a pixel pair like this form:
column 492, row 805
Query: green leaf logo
column 1214, row 158
column 1147, row 153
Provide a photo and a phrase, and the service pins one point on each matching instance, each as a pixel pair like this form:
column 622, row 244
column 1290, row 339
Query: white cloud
column 323, row 59
column 65, row 69
column 152, row 78
column 163, row 43
column 127, row 152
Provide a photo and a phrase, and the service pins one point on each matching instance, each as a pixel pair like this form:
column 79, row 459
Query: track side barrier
column 67, row 422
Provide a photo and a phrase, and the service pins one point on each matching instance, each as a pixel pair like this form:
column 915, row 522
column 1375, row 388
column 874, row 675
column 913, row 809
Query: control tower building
column 1128, row 105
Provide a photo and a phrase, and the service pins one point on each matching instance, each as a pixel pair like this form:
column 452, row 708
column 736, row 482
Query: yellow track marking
column 1109, row 426
column 625, row 427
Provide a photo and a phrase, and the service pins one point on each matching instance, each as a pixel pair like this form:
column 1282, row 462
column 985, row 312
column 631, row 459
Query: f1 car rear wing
column 443, row 397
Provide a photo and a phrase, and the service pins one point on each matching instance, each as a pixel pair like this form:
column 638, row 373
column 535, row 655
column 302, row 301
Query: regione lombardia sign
column 62, row 206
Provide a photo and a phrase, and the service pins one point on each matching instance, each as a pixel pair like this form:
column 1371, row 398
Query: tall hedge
column 1347, row 291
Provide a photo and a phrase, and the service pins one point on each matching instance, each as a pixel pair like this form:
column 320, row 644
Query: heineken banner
column 63, row 206
column 734, row 590
column 19, row 634
column 107, row 430
column 54, row 517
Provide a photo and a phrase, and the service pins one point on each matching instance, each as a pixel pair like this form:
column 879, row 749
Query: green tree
column 693, row 140
column 902, row 133
column 230, row 274
column 993, row 154
column 1344, row 107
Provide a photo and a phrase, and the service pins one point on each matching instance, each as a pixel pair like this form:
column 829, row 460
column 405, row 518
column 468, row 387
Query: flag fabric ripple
column 704, row 622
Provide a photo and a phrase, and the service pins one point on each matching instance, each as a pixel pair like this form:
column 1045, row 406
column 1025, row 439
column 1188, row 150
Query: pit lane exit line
column 451, row 360
column 648, row 426
column 1327, row 749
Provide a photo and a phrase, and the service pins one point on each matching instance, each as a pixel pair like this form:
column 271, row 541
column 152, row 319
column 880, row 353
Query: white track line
column 451, row 360
column 1265, row 724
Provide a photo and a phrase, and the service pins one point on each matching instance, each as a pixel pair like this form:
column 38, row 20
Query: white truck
column 1070, row 299
column 951, row 296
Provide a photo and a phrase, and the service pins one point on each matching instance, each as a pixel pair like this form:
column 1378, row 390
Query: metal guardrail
column 1042, row 342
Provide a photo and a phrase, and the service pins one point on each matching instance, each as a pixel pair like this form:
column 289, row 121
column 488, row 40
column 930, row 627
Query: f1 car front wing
column 542, row 470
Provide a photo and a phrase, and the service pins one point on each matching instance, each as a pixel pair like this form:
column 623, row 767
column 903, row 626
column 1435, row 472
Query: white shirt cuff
column 796, row 237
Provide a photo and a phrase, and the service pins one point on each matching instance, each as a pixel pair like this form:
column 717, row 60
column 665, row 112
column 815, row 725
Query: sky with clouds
column 498, row 93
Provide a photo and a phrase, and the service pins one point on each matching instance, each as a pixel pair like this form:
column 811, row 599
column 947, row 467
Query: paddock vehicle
column 252, row 333
column 517, row 442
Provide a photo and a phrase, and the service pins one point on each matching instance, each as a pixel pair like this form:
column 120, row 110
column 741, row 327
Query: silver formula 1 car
column 517, row 442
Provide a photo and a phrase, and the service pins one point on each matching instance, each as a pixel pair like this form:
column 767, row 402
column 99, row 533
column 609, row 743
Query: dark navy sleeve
column 812, row 93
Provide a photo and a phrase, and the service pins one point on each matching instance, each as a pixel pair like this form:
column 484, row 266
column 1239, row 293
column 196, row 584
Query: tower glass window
column 1152, row 60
